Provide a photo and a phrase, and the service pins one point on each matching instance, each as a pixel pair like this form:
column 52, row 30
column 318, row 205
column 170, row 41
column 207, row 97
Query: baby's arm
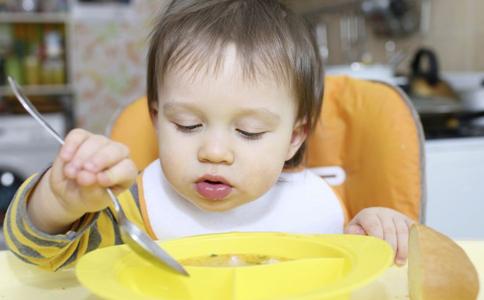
column 384, row 223
column 54, row 219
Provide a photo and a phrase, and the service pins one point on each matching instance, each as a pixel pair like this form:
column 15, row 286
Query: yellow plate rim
column 102, row 281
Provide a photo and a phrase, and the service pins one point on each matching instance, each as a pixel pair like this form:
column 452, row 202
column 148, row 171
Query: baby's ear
column 153, row 108
column 299, row 135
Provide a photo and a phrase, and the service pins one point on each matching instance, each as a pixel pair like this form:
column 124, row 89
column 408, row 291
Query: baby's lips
column 213, row 191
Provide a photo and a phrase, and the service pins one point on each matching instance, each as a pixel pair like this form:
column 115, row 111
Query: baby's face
column 223, row 140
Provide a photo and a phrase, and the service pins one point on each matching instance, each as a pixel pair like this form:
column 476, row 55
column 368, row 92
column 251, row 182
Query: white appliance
column 24, row 145
column 455, row 187
column 25, row 148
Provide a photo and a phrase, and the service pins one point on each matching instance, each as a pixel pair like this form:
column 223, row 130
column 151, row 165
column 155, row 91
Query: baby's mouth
column 213, row 187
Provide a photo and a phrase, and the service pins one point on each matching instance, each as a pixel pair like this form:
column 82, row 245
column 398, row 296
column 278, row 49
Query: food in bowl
column 231, row 260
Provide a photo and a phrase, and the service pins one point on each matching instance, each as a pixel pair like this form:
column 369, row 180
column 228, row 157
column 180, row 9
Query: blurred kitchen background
column 81, row 61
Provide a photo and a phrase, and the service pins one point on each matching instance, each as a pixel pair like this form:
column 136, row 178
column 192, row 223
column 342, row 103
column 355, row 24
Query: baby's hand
column 384, row 223
column 87, row 164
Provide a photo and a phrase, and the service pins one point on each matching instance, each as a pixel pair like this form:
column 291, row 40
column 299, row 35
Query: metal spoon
column 131, row 234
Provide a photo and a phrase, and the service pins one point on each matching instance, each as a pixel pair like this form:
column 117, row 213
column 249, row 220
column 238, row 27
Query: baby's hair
column 192, row 35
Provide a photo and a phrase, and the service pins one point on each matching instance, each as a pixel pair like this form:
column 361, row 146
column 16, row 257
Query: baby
column 234, row 89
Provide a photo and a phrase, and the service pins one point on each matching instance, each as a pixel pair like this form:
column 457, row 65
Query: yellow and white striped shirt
column 52, row 252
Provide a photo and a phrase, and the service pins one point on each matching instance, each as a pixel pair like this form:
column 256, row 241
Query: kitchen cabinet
column 455, row 187
column 36, row 49
column 41, row 38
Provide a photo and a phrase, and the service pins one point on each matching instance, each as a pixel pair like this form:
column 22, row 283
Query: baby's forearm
column 47, row 212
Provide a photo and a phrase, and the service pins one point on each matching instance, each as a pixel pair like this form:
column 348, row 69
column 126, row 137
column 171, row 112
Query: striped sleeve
column 53, row 252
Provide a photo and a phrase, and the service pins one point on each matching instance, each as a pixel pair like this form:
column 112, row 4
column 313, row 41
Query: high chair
column 368, row 145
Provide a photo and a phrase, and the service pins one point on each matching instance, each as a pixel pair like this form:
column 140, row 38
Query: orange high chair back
column 368, row 144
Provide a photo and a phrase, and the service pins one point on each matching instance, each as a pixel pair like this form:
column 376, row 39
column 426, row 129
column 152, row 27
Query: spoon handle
column 30, row 108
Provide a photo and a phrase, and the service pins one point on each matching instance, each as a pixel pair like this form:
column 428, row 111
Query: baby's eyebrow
column 262, row 113
column 171, row 108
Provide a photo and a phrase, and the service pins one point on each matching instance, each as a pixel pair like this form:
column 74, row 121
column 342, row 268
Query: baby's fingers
column 111, row 154
column 372, row 225
column 72, row 142
column 354, row 229
column 389, row 231
column 402, row 227
column 92, row 145
column 119, row 177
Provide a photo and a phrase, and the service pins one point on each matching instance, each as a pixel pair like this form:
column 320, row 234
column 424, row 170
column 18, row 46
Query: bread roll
column 438, row 269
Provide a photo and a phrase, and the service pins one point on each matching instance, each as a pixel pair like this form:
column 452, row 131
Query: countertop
column 22, row 281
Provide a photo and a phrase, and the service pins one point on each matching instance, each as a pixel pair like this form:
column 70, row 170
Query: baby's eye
column 187, row 128
column 251, row 135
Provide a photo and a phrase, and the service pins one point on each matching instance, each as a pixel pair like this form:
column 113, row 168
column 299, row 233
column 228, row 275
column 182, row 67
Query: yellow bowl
column 319, row 267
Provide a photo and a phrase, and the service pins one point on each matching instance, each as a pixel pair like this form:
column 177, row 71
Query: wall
column 109, row 61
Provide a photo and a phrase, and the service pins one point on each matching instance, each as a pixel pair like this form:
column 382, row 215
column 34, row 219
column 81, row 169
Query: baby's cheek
column 173, row 162
column 263, row 177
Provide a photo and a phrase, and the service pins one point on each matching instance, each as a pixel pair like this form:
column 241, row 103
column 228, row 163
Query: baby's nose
column 216, row 149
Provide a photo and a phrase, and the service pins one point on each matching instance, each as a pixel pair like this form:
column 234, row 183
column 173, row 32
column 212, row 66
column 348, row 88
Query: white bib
column 298, row 203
